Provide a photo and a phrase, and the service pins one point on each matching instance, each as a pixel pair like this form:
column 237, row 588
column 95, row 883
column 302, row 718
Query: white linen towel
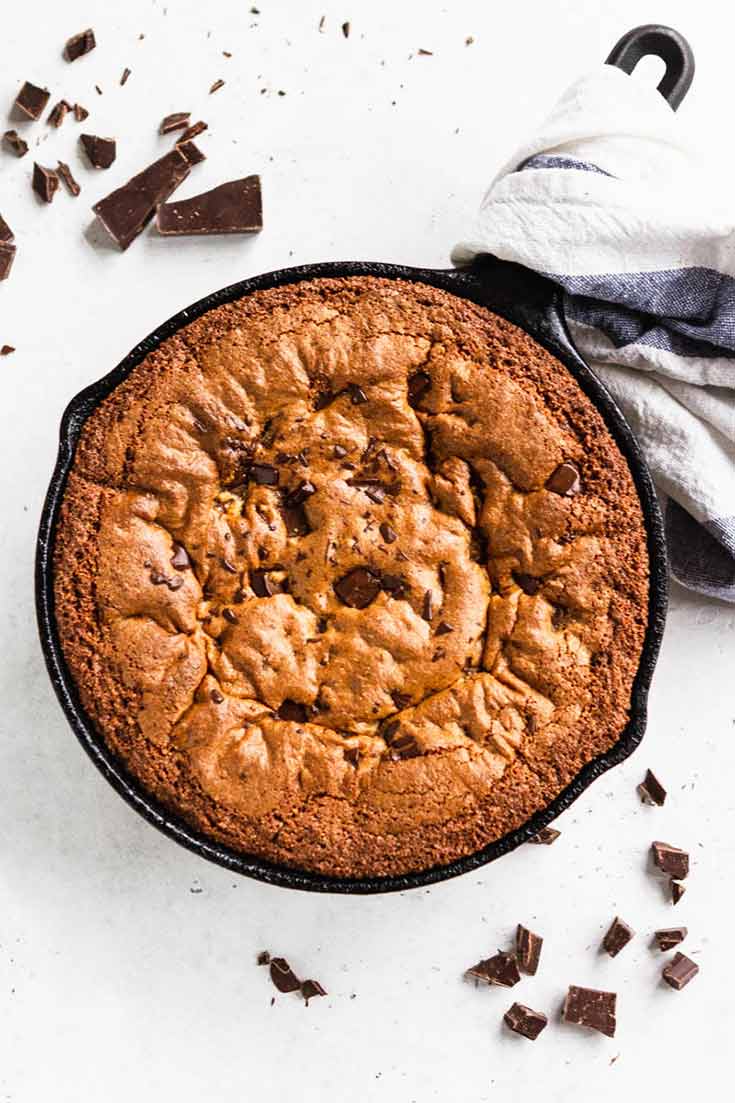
column 610, row 200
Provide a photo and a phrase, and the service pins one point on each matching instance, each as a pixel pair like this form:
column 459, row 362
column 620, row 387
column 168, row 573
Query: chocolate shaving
column 346, row 29
column 45, row 182
column 15, row 143
column 178, row 120
column 216, row 86
column 65, row 174
column 358, row 588
column 232, row 208
column 668, row 937
column 564, row 480
column 79, row 45
column 124, row 78
column 525, row 1021
column 545, row 837
column 651, row 790
column 618, row 936
column 590, row 1008
column 127, row 210
column 670, row 860
column 528, row 950
column 501, row 969
column 58, row 113
column 32, row 100
column 677, row 891
column 100, row 151
column 679, row 971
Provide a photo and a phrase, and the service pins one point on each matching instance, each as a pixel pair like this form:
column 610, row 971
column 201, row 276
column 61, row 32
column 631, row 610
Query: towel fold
column 611, row 200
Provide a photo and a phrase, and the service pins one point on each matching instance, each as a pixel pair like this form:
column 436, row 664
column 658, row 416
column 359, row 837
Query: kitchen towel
column 611, row 200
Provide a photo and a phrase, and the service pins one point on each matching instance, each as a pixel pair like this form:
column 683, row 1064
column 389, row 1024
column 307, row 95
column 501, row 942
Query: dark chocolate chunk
column 79, row 45
column 618, row 936
column 45, row 182
column 6, row 350
column 525, row 1021
column 528, row 950
column 427, row 607
column 192, row 152
column 15, row 143
column 401, row 700
column 591, row 1008
column 564, row 480
column 100, row 151
column 358, row 588
column 127, row 210
column 500, row 969
column 178, row 120
column 373, row 488
column 651, row 790
column 311, row 988
column 418, row 384
column 677, row 891
column 230, row 616
column 293, row 711
column 339, row 452
column 263, row 958
column 295, row 520
column 528, row 583
column 679, row 971
column 32, row 100
column 546, row 836
column 216, row 697
column 192, row 131
column 125, row 74
column 264, row 474
column 443, row 629
column 232, row 208
column 668, row 937
column 389, row 534
column 58, row 113
column 65, row 174
column 395, row 585
column 180, row 559
column 262, row 585
column 299, row 494
column 356, row 393
column 216, row 86
column 7, row 249
column 670, row 860
column 80, row 113
column 346, row 29
column 283, row 976
column 403, row 745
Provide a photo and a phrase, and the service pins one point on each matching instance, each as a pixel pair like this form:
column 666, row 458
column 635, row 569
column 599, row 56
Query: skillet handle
column 663, row 42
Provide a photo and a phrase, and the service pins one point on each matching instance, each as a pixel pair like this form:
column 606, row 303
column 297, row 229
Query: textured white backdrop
column 126, row 964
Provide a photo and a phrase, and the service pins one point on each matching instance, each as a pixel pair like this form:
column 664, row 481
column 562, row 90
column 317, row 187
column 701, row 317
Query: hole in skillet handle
column 663, row 42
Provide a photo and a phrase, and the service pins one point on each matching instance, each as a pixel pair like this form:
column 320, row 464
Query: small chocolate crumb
column 6, row 350
column 346, row 29
column 101, row 152
column 79, row 45
column 216, row 697
column 80, row 113
column 283, row 976
column 427, row 609
column 618, row 936
column 263, row 958
column 677, row 891
column 65, row 174
column 226, row 53
column 670, row 860
column 500, row 969
column 58, row 113
column 651, row 790
column 590, row 1008
column 564, row 480
column 293, row 711
column 469, row 40
column 98, row 90
column 216, row 86
column 45, row 182
column 679, row 971
column 545, row 837
column 358, row 588
column 124, row 78
column 178, row 120
column 15, row 143
column 389, row 534
column 528, row 950
column 524, row 1021
column 668, row 937
column 32, row 100
column 311, row 988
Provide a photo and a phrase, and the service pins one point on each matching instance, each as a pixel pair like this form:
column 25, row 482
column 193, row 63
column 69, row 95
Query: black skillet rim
column 557, row 341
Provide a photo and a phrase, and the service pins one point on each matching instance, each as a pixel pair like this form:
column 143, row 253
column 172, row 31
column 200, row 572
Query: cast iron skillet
column 521, row 296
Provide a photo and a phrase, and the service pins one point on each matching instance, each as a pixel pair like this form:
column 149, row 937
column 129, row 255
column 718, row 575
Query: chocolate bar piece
column 500, row 969
column 58, row 113
column 7, row 249
column 45, row 182
column 63, row 171
column 528, row 950
column 618, row 936
column 15, row 143
column 679, row 971
column 126, row 211
column 232, row 208
column 670, row 860
column 192, row 152
column 179, row 120
column 79, row 45
column 668, row 937
column 32, row 100
column 525, row 1021
column 651, row 790
column 591, row 1008
column 100, row 151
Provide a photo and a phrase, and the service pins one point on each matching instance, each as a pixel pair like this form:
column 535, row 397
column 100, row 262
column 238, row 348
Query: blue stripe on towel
column 556, row 161
column 702, row 557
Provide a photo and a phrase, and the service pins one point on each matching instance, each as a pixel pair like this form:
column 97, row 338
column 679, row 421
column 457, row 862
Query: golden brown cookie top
column 354, row 557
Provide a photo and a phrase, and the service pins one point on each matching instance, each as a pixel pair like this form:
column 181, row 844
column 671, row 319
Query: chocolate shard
column 283, row 975
column 292, row 711
column 525, row 1021
column 80, row 113
column 263, row 958
column 32, row 100
column 192, row 152
column 545, row 837
column 45, row 182
column 679, row 971
column 668, row 937
column 14, row 142
column 651, row 790
column 389, row 534
column 618, row 936
column 358, row 588
column 443, row 629
column 231, row 208
column 564, row 480
column 126, row 73
column 66, row 175
column 311, row 988
column 192, row 132
column 528, row 950
column 101, row 152
column 177, row 120
column 126, row 211
column 501, row 969
column 6, row 350
column 677, row 891
column 180, row 558
column 7, row 249
column 670, row 860
column 58, row 113
column 79, row 45
column 427, row 607
column 590, row 1008
column 216, row 86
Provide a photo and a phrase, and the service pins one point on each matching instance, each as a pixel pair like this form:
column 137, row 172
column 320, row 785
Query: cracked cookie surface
column 351, row 575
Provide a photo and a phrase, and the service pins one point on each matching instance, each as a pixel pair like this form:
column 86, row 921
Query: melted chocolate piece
column 359, row 587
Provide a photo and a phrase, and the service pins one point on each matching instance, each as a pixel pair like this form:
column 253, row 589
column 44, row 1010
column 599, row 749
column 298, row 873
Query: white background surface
column 127, row 964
